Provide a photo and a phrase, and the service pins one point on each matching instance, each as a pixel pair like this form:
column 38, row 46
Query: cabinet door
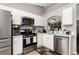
column 67, row 16
column 16, row 17
column 51, row 40
column 20, row 44
column 45, row 42
column 39, row 21
column 17, row 45
column 48, row 41
column 39, row 40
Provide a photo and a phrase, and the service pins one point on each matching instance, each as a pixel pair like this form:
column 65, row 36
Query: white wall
column 26, row 7
column 58, row 12
column 21, row 13
column 56, row 6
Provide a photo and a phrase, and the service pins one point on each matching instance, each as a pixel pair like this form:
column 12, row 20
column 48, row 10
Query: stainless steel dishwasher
column 61, row 45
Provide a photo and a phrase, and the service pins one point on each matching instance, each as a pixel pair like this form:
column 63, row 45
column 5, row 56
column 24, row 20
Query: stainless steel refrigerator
column 5, row 32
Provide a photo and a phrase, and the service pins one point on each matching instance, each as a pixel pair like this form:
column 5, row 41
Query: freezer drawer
column 5, row 42
column 5, row 51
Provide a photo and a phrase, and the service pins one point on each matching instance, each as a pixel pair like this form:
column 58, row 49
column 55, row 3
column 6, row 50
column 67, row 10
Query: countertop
column 58, row 34
column 63, row 35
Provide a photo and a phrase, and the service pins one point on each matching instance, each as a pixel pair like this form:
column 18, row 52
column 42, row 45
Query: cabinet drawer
column 5, row 51
column 5, row 42
column 48, row 36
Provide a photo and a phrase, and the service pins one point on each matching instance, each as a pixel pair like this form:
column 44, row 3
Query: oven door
column 27, row 41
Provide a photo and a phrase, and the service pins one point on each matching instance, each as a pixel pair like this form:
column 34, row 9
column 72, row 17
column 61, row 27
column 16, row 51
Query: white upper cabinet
column 39, row 21
column 16, row 20
column 16, row 17
column 67, row 16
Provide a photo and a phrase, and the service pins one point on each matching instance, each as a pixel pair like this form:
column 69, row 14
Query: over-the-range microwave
column 27, row 21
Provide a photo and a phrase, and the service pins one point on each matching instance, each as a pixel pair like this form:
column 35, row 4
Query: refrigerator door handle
column 3, row 38
column 6, row 39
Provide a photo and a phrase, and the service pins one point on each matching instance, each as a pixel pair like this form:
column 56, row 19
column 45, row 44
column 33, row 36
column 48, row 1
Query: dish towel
column 34, row 39
column 28, row 40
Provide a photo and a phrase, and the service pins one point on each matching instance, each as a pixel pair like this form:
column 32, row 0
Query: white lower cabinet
column 17, row 44
column 46, row 40
column 39, row 40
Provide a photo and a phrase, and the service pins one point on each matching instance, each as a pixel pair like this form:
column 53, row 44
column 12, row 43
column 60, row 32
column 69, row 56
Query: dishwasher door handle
column 59, row 38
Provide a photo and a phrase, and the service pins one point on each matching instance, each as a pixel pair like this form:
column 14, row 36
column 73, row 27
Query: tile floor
column 33, row 53
column 36, row 53
column 41, row 51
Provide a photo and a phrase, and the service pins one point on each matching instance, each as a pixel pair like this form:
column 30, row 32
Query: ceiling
column 45, row 5
column 48, row 6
